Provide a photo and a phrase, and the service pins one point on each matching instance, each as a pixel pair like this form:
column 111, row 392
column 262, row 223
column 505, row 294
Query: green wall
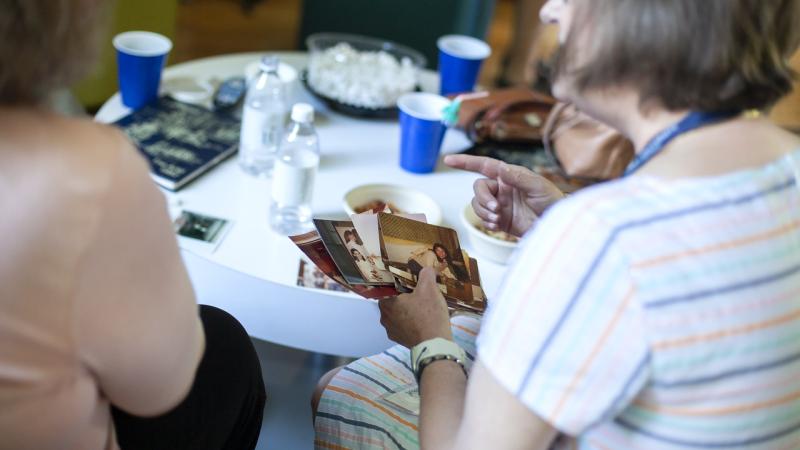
column 129, row 15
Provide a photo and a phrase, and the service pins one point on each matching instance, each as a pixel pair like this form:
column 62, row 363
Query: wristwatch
column 436, row 349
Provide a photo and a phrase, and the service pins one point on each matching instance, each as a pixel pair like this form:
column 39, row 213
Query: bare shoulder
column 66, row 162
column 61, row 146
column 85, row 137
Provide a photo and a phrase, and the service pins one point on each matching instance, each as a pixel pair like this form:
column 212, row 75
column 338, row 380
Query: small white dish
column 188, row 90
column 407, row 200
column 491, row 248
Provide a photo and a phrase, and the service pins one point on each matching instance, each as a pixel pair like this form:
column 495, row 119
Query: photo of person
column 366, row 265
column 332, row 233
column 366, row 225
column 352, row 240
column 329, row 232
column 436, row 256
column 312, row 245
column 409, row 245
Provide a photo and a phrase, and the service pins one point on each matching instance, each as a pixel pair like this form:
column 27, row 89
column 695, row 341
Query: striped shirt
column 654, row 314
column 354, row 411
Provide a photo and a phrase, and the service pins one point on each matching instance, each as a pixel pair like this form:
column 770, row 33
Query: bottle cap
column 269, row 63
column 303, row 113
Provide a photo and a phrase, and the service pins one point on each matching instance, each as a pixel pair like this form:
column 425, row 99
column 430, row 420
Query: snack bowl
column 490, row 247
column 360, row 75
column 401, row 198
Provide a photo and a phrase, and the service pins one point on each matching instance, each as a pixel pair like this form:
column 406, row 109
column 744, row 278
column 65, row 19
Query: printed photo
column 310, row 276
column 198, row 226
column 370, row 266
column 332, row 233
column 311, row 245
column 410, row 246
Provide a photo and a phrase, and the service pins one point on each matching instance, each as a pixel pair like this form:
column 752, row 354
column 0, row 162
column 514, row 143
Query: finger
column 480, row 164
column 483, row 213
column 527, row 181
column 427, row 278
column 486, row 192
column 387, row 303
column 505, row 195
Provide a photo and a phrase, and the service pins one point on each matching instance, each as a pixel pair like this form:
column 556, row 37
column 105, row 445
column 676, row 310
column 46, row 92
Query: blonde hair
column 708, row 55
column 46, row 45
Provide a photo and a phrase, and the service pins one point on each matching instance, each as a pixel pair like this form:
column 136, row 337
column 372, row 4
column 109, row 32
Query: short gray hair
column 708, row 55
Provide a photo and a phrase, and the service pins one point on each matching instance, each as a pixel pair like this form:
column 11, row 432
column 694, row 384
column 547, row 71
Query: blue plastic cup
column 141, row 56
column 421, row 130
column 460, row 59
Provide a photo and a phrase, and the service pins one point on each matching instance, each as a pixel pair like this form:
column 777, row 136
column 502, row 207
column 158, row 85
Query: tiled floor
column 290, row 376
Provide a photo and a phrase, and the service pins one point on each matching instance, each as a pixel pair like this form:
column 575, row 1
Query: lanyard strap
column 795, row 163
column 692, row 121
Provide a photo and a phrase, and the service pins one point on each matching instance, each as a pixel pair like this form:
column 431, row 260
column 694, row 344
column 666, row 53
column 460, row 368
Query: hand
column 510, row 198
column 413, row 318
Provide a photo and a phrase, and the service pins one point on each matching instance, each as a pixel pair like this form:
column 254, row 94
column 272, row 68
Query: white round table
column 253, row 273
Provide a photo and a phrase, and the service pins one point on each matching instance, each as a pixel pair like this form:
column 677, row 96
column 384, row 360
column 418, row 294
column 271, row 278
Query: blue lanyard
column 691, row 122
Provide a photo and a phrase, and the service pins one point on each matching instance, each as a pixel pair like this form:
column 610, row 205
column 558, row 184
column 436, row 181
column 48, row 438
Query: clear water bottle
column 263, row 120
column 295, row 170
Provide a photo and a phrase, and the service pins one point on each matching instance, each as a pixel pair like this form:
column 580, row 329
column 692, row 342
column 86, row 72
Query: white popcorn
column 364, row 79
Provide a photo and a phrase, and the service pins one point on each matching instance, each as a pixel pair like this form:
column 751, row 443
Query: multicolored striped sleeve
column 565, row 335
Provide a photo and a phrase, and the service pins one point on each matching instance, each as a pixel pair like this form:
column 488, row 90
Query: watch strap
column 436, row 349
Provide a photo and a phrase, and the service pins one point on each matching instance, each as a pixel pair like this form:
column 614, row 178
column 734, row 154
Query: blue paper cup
column 460, row 59
column 141, row 56
column 421, row 130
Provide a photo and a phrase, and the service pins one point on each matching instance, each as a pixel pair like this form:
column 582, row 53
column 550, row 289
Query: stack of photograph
column 380, row 255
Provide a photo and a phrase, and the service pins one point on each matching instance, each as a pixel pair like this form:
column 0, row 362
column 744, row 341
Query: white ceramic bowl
column 489, row 247
column 406, row 199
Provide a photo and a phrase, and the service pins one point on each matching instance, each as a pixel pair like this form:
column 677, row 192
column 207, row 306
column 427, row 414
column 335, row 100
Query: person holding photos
column 657, row 311
column 102, row 343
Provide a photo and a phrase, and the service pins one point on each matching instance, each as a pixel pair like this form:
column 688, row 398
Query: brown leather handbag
column 583, row 148
column 582, row 151
column 505, row 116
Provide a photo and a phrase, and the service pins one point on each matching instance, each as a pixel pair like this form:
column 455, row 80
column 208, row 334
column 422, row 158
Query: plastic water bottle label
column 293, row 181
column 253, row 120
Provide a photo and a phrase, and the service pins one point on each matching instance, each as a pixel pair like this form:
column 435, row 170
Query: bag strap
column 549, row 136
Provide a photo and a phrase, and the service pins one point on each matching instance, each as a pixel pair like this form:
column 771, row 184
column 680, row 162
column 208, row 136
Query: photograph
column 198, row 226
column 332, row 233
column 368, row 230
column 370, row 266
column 410, row 246
column 311, row 245
column 310, row 276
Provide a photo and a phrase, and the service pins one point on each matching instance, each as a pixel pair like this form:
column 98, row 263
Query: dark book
column 181, row 141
